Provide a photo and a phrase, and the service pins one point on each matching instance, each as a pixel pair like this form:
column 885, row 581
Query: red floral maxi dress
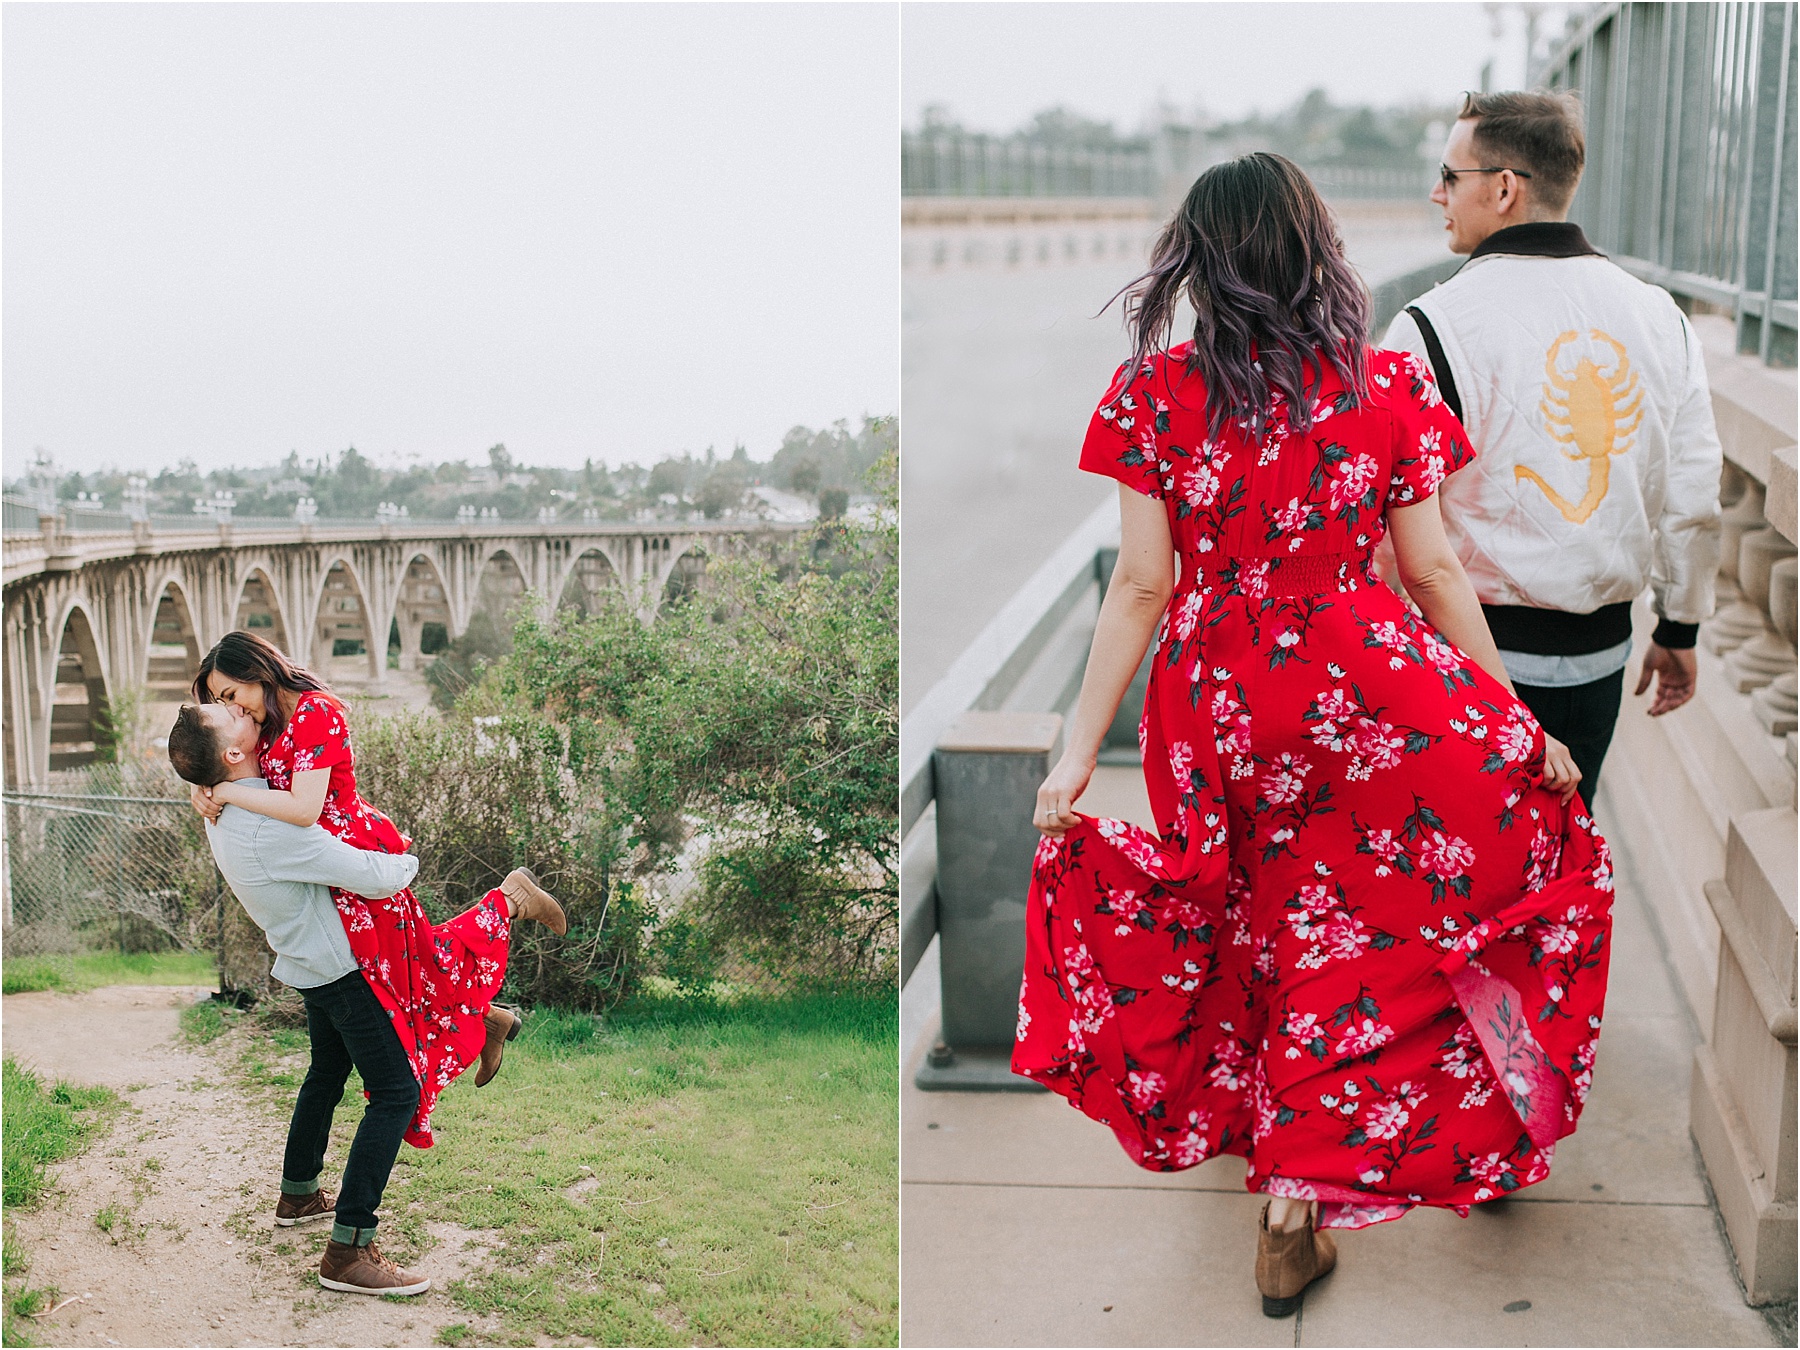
column 1368, row 951
column 436, row 983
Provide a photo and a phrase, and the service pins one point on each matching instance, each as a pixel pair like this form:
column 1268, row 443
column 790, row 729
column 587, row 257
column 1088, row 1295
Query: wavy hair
column 249, row 659
column 1256, row 252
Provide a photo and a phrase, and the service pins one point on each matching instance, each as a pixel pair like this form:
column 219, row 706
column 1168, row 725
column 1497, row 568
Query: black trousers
column 349, row 1027
column 1582, row 717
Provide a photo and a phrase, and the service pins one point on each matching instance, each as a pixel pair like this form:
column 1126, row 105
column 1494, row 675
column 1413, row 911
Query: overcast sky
column 618, row 231
column 995, row 65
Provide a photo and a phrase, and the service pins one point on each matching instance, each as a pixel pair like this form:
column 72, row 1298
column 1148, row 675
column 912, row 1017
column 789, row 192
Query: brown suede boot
column 503, row 1025
column 363, row 1270
column 293, row 1209
column 1289, row 1260
column 532, row 901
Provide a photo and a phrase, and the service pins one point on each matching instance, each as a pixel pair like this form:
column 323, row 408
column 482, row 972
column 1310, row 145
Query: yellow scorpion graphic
column 1595, row 410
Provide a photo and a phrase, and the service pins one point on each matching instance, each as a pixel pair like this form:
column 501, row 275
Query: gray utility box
column 987, row 768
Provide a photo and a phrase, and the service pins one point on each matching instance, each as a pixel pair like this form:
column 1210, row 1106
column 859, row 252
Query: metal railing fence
column 1690, row 179
column 961, row 165
column 91, row 870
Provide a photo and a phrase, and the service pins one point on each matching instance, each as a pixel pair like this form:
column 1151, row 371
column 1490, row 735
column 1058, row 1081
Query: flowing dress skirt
column 1367, row 952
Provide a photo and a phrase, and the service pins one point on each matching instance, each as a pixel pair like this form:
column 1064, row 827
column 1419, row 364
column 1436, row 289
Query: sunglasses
column 1447, row 175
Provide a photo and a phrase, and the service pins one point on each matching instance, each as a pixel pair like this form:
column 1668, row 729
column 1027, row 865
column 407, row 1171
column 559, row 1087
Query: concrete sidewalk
column 1023, row 1223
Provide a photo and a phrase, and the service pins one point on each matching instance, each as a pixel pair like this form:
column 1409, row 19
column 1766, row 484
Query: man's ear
column 234, row 756
column 1510, row 203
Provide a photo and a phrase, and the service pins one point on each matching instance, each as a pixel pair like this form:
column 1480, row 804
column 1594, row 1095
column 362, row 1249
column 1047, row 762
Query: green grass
column 22, row 1303
column 204, row 1022
column 679, row 1171
column 39, row 1126
column 89, row 970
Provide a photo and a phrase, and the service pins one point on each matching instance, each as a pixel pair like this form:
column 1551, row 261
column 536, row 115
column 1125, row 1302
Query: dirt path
column 189, row 1175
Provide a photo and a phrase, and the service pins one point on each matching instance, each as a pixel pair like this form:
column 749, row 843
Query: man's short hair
column 1540, row 132
column 194, row 749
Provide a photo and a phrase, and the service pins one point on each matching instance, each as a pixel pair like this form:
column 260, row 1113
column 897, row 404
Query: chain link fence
column 102, row 860
column 90, row 869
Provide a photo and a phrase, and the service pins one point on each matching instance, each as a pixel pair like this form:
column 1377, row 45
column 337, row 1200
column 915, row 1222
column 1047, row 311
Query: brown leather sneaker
column 503, row 1025
column 532, row 901
column 293, row 1209
column 363, row 1270
column 1288, row 1261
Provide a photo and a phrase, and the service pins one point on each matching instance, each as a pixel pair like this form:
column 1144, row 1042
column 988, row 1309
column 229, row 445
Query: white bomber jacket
column 1584, row 393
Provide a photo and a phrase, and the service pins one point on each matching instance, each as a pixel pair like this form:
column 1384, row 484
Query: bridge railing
column 962, row 165
column 18, row 516
column 1690, row 179
column 1028, row 658
column 24, row 518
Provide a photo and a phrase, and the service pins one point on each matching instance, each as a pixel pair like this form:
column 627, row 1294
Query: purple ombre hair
column 1256, row 252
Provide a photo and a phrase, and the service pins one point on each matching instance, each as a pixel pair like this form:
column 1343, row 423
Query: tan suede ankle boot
column 531, row 901
column 1289, row 1260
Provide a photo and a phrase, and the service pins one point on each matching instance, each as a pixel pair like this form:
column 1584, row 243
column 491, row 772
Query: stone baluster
column 1776, row 702
column 1736, row 620
column 1765, row 654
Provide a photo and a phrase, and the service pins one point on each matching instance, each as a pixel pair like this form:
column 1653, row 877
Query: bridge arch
column 344, row 643
column 589, row 579
column 680, row 572
column 500, row 584
column 318, row 583
column 422, row 611
column 80, row 702
column 258, row 609
column 171, row 643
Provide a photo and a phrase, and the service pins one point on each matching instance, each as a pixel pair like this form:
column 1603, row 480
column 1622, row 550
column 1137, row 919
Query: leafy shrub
column 482, row 792
column 460, row 664
column 763, row 713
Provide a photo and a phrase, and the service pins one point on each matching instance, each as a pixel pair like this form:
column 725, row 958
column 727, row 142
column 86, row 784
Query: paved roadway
column 1001, row 369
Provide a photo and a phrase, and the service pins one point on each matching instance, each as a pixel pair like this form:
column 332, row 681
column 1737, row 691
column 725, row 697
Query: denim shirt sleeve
column 311, row 853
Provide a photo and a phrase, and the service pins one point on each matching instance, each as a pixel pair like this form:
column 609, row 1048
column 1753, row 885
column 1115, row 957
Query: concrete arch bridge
column 94, row 606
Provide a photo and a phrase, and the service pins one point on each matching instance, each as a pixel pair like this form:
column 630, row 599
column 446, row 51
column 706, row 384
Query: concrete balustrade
column 1701, row 802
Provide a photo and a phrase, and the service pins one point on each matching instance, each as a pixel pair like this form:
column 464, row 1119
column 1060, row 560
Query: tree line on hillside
column 827, row 466
column 1313, row 131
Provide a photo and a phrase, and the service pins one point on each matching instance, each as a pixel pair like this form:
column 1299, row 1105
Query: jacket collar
column 1539, row 239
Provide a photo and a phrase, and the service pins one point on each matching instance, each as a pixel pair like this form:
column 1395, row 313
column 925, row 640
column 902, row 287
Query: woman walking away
column 1366, row 950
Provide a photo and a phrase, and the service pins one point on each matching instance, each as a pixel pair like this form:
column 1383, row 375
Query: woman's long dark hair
column 1256, row 252
column 248, row 659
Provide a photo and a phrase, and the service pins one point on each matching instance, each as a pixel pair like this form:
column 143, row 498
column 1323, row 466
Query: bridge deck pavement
column 1023, row 1223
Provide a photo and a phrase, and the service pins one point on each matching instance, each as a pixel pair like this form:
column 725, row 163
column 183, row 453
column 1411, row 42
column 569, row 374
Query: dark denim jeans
column 1582, row 717
column 350, row 1027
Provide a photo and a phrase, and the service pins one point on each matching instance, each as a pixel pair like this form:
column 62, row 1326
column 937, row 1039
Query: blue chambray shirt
column 1563, row 672
column 280, row 873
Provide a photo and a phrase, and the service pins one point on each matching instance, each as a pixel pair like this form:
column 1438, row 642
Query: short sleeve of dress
column 320, row 736
column 1121, row 437
column 1429, row 443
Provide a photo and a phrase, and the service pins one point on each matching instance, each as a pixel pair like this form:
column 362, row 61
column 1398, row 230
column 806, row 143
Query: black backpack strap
column 1446, row 382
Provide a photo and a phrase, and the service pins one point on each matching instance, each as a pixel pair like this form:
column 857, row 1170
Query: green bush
column 482, row 792
column 461, row 663
column 764, row 715
column 750, row 735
